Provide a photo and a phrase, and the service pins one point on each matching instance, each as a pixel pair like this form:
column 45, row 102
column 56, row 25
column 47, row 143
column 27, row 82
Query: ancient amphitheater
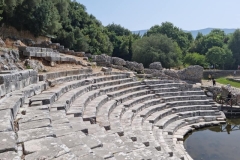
column 83, row 115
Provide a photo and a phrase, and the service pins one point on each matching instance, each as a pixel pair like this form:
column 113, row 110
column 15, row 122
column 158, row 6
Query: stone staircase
column 83, row 115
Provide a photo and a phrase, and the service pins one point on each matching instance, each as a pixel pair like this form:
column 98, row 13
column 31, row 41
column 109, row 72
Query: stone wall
column 219, row 73
column 15, row 80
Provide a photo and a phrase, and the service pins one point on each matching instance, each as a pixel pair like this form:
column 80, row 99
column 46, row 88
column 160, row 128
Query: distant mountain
column 193, row 32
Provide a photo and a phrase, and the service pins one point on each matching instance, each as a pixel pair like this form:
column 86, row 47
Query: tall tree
column 182, row 38
column 219, row 56
column 234, row 46
column 1, row 8
column 122, row 40
column 195, row 59
column 158, row 48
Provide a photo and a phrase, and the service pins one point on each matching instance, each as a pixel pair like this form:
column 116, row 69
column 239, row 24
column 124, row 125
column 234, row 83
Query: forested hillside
column 74, row 28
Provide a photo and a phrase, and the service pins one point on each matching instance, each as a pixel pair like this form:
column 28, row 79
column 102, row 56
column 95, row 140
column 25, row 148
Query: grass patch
column 225, row 81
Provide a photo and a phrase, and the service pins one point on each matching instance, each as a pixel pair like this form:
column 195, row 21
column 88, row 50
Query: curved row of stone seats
column 122, row 134
column 142, row 138
column 56, row 76
column 94, row 91
column 27, row 86
column 166, row 120
column 134, row 110
column 9, row 108
column 51, row 95
column 119, row 114
column 130, row 116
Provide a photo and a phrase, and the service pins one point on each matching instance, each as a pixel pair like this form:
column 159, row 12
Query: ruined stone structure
column 83, row 115
column 48, row 54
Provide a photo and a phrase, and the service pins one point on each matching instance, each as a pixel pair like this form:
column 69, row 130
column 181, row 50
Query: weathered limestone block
column 134, row 66
column 156, row 65
column 13, row 103
column 35, row 65
column 103, row 60
column 171, row 73
column 106, row 69
column 10, row 155
column 8, row 141
column 2, row 43
column 32, row 134
column 45, row 148
column 192, row 73
column 79, row 54
column 118, row 61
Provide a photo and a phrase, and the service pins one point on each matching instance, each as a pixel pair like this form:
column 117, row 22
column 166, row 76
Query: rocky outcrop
column 34, row 64
column 171, row 73
column 9, row 60
column 118, row 61
column 156, row 65
column 192, row 73
column 134, row 66
column 103, row 60
column 2, row 43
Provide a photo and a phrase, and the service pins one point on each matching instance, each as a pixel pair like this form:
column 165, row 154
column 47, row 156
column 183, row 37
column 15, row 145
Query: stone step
column 55, row 93
column 6, row 120
column 180, row 93
column 184, row 103
column 138, row 99
column 64, row 102
column 159, row 115
column 91, row 109
column 163, row 90
column 162, row 123
column 128, row 88
column 171, row 128
column 132, row 95
column 167, row 85
column 80, row 103
column 78, row 111
column 197, row 113
column 13, row 103
column 139, row 107
column 192, row 107
column 9, row 155
column 60, row 80
column 8, row 142
column 36, row 133
column 103, row 114
column 110, row 77
column 48, row 148
column 153, row 82
column 111, row 82
column 183, row 98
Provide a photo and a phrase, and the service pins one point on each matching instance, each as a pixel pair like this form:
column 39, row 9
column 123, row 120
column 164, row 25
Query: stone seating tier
column 85, row 115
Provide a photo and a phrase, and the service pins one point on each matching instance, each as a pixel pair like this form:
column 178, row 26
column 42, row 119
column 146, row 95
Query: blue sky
column 186, row 14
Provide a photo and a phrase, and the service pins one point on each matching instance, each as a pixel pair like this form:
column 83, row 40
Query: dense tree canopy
column 183, row 39
column 122, row 40
column 73, row 27
column 156, row 48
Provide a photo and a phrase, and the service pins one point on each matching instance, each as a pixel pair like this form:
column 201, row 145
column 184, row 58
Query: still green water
column 215, row 143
